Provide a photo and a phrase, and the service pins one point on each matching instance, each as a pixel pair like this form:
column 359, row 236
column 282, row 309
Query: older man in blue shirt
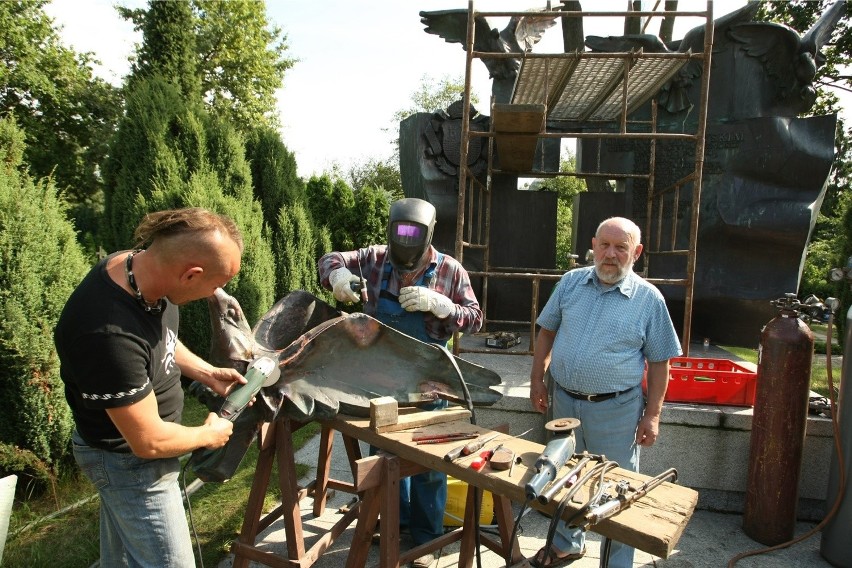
column 599, row 328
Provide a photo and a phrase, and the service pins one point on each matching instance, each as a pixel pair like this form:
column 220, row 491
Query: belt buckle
column 589, row 397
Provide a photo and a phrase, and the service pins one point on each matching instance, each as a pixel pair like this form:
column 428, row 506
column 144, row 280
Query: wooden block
column 502, row 459
column 384, row 411
column 413, row 417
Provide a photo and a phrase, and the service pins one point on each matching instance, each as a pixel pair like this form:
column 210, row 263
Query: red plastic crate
column 710, row 381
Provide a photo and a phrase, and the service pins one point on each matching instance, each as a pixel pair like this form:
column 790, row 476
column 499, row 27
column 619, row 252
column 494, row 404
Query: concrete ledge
column 708, row 445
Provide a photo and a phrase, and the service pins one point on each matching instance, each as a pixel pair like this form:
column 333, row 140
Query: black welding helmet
column 410, row 227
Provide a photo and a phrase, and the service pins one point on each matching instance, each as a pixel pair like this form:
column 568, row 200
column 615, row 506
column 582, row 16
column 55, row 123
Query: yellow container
column 456, row 500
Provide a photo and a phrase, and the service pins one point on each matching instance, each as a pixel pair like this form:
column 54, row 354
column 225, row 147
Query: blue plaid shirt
column 605, row 335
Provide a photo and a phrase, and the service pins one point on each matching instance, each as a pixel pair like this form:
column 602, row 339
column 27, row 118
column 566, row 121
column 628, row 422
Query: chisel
column 469, row 448
column 444, row 440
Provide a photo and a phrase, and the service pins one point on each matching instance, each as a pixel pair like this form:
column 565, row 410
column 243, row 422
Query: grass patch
column 819, row 372
column 40, row 527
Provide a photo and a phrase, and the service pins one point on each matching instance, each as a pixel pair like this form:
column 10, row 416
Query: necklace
column 158, row 306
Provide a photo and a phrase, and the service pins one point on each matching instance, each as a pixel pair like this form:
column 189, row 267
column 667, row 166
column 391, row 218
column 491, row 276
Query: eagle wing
column 451, row 25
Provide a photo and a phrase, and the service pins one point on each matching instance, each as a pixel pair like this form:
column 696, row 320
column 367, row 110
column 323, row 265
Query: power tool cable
column 189, row 513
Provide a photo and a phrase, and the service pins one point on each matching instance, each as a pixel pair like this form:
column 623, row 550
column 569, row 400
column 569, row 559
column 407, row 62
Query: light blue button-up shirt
column 605, row 335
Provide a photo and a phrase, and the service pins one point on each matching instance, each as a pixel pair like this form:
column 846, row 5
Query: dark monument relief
column 764, row 175
column 765, row 170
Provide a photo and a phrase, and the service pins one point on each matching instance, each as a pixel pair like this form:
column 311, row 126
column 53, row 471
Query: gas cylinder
column 778, row 425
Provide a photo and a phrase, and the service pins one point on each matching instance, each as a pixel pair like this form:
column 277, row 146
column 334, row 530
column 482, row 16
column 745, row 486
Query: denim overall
column 424, row 494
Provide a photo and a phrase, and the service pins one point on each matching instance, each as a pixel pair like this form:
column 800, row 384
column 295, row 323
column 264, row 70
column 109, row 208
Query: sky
column 359, row 62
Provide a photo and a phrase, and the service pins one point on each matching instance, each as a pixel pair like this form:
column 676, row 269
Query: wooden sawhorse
column 275, row 440
column 379, row 475
column 376, row 481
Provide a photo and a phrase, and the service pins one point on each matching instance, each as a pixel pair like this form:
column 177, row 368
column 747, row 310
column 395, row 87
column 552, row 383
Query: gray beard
column 610, row 280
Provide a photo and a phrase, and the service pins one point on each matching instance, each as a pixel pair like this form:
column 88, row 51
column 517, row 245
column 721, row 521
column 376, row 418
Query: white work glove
column 420, row 299
column 339, row 280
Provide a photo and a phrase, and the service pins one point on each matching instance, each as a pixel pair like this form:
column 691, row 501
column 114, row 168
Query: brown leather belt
column 595, row 397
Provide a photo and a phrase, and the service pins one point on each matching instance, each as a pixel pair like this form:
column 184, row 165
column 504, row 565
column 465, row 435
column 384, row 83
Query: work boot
column 424, row 561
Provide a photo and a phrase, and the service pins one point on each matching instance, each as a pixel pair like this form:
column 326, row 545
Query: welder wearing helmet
column 423, row 293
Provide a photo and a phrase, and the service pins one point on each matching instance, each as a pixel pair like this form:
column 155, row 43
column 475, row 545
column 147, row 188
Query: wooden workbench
column 653, row 524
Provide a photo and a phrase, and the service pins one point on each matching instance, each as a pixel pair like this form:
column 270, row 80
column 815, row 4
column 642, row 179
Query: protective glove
column 340, row 279
column 420, row 299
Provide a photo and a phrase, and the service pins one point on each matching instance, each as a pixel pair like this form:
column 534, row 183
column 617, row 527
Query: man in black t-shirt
column 121, row 362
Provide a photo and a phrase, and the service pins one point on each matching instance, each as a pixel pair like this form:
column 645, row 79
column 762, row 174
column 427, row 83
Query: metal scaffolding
column 582, row 91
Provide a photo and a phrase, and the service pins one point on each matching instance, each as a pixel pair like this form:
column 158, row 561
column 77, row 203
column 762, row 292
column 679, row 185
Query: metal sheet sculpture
column 334, row 362
column 330, row 362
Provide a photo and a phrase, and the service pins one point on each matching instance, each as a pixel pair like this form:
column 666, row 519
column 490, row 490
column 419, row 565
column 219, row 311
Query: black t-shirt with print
column 112, row 353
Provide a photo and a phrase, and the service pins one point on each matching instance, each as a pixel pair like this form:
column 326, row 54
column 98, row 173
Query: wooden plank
column 323, row 471
column 516, row 153
column 409, row 418
column 368, row 473
column 653, row 524
column 526, row 119
column 516, row 130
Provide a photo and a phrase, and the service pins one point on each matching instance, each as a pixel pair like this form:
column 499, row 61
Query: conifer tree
column 169, row 152
column 370, row 211
column 41, row 264
column 275, row 181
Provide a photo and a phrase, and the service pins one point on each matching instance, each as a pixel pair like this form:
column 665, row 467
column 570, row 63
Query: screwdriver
column 469, row 448
column 484, row 457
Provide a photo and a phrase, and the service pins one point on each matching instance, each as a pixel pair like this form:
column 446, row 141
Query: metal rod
column 558, row 484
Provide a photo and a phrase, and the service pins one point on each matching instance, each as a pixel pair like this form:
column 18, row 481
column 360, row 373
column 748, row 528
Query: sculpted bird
column 519, row 36
column 790, row 61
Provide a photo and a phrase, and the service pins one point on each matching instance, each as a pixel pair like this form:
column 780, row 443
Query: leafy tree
column 567, row 188
column 159, row 141
column 68, row 115
column 296, row 252
column 40, row 264
column 380, row 174
column 242, row 61
column 330, row 203
column 240, row 58
column 171, row 150
column 371, row 209
column 170, row 153
column 168, row 48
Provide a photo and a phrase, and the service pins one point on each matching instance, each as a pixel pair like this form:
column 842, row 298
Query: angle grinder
column 221, row 463
column 556, row 453
column 262, row 372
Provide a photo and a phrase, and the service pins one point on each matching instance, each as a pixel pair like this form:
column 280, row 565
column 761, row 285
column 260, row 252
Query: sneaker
column 424, row 561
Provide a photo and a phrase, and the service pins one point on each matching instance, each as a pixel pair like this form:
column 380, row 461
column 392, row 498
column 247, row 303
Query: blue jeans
column 143, row 522
column 423, row 498
column 609, row 428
